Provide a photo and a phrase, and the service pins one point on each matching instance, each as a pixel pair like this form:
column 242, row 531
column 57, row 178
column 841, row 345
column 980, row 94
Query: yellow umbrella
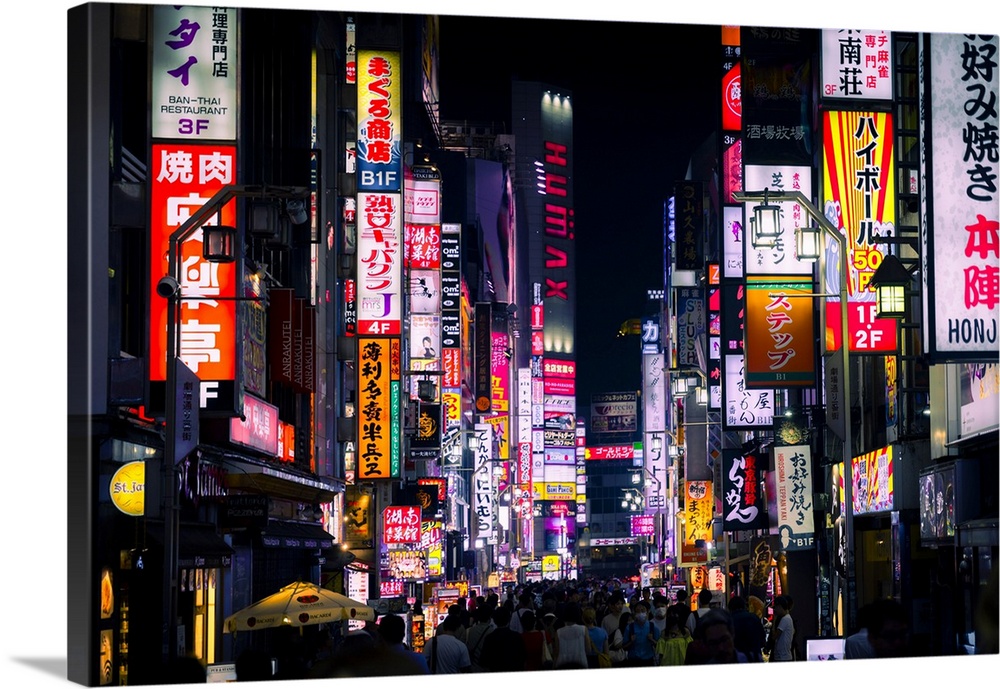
column 299, row 604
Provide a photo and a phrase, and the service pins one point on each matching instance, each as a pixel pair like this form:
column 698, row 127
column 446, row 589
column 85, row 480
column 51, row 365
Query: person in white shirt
column 660, row 613
column 857, row 645
column 570, row 647
column 446, row 654
column 615, row 606
column 784, row 631
column 704, row 605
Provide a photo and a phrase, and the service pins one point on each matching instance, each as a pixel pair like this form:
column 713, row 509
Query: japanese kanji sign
column 643, row 524
column 859, row 198
column 697, row 520
column 744, row 407
column 483, row 491
column 401, row 525
column 184, row 176
column 962, row 235
column 857, row 64
column 194, row 73
column 793, row 482
column 780, row 343
column 689, row 226
column 380, row 263
column 378, row 442
column 743, row 491
column 610, row 452
column 781, row 258
column 380, row 121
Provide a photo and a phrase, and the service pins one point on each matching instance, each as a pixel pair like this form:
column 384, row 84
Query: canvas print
column 421, row 343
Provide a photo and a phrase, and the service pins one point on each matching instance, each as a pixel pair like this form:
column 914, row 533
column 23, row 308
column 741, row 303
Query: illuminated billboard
column 859, row 198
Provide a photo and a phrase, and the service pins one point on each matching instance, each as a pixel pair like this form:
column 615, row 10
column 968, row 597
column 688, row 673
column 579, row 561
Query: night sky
column 645, row 97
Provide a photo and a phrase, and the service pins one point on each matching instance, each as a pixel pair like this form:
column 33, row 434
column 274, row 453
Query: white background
column 34, row 188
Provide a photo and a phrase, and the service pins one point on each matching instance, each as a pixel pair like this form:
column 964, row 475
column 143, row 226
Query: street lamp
column 218, row 246
column 765, row 214
column 891, row 280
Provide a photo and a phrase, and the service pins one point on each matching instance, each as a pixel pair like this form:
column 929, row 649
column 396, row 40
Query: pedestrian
column 597, row 638
column 640, row 637
column 570, row 648
column 503, row 648
column 477, row 634
column 888, row 629
column 392, row 631
column 659, row 608
column 445, row 654
column 616, row 649
column 713, row 640
column 524, row 602
column 856, row 645
column 463, row 615
column 534, row 640
column 704, row 605
column 748, row 632
column 616, row 605
column 783, row 630
column 671, row 648
column 681, row 608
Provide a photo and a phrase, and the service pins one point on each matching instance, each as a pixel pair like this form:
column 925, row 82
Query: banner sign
column 856, row 65
column 743, row 506
column 780, row 339
column 194, row 73
column 793, row 480
column 379, row 263
column 626, row 451
column 484, row 495
column 375, row 410
column 185, row 176
column 259, row 430
column 961, row 250
column 781, row 258
column 697, row 513
column 401, row 525
column 859, row 192
column 689, row 226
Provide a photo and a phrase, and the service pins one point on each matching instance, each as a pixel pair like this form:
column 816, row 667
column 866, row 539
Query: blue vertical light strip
column 395, row 469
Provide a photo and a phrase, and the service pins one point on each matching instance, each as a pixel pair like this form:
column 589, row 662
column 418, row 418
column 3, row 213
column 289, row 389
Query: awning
column 979, row 532
column 336, row 559
column 279, row 534
column 983, row 438
column 280, row 484
column 198, row 545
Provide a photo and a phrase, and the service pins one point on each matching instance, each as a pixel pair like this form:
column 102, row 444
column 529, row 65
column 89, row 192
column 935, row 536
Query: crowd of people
column 553, row 625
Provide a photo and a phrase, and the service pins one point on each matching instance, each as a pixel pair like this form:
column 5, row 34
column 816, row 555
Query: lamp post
column 766, row 216
column 660, row 532
column 218, row 247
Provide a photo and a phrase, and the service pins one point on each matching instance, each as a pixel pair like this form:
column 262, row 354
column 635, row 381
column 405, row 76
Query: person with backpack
column 619, row 656
column 641, row 636
column 477, row 635
column 682, row 608
column 503, row 649
column 524, row 602
column 704, row 605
